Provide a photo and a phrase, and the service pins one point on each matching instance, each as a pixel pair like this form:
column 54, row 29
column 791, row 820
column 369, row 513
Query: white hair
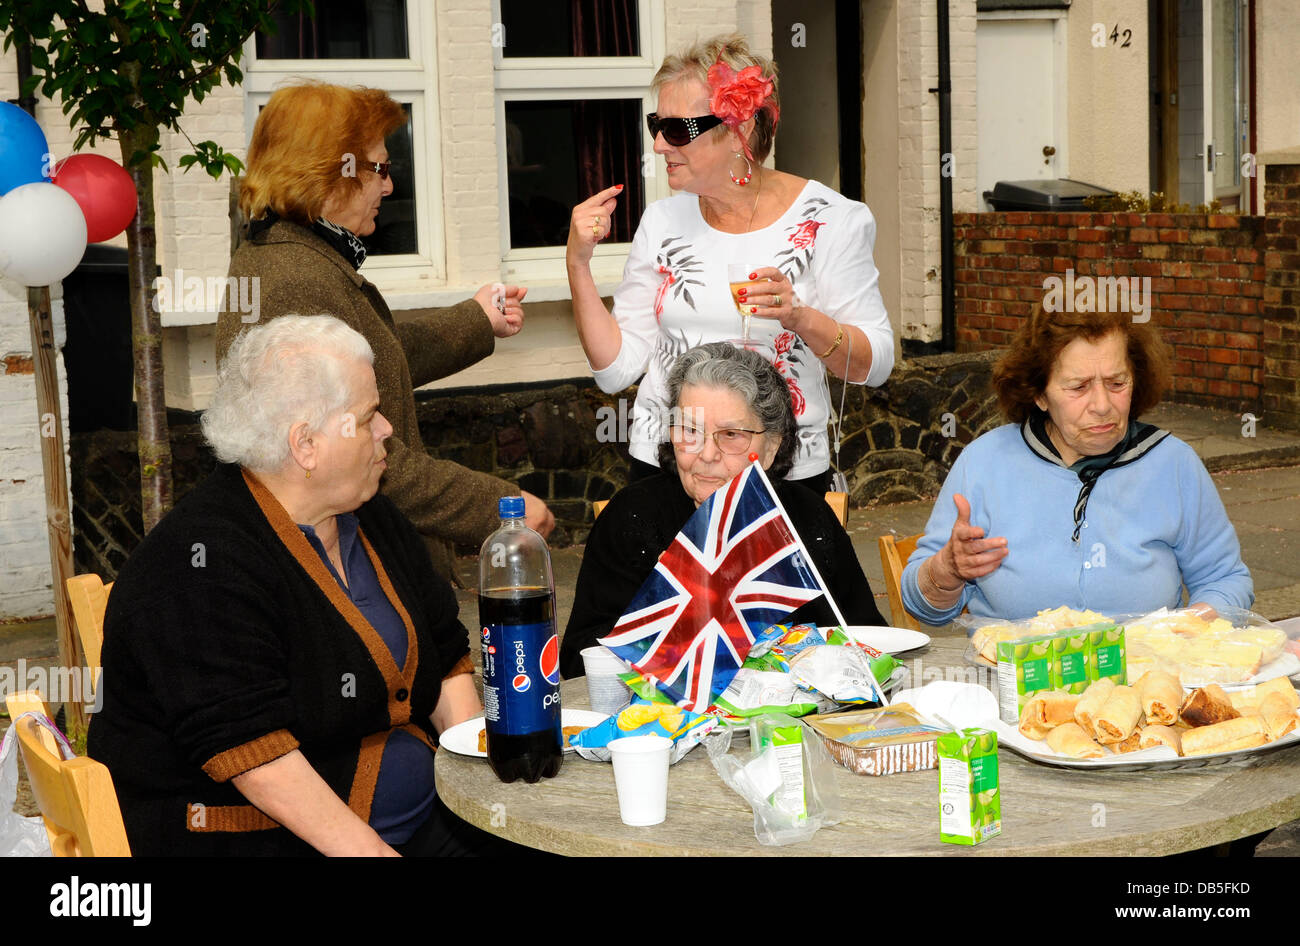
column 290, row 370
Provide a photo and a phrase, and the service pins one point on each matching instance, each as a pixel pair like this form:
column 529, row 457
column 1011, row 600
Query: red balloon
column 103, row 190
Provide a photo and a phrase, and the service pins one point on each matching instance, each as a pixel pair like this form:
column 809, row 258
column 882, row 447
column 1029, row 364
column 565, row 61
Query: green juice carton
column 1109, row 656
column 970, row 802
column 1071, row 663
column 1024, row 668
column 783, row 735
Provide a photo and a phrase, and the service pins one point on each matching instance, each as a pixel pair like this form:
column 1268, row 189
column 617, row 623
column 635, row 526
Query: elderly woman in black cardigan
column 726, row 405
column 279, row 655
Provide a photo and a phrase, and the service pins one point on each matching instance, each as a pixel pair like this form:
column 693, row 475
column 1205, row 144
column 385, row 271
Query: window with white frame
column 572, row 91
column 386, row 44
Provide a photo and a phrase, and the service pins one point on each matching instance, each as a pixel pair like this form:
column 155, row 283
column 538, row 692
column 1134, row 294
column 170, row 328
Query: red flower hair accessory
column 736, row 96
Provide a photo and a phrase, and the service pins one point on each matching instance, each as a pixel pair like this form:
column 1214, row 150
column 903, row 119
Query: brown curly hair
column 1021, row 375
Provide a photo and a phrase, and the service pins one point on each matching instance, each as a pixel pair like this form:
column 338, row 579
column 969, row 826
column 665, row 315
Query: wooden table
column 1045, row 810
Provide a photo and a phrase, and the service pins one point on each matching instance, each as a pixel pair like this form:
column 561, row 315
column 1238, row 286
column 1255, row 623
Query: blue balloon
column 22, row 148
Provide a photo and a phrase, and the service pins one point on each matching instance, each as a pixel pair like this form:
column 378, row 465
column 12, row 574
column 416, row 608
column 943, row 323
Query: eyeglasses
column 731, row 440
column 379, row 167
column 680, row 131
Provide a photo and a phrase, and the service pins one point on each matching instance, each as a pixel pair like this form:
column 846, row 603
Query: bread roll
column 1069, row 739
column 1280, row 685
column 1207, row 706
column 1152, row 736
column 1244, row 732
column 1161, row 695
column 1278, row 715
column 1090, row 704
column 1119, row 716
column 1046, row 711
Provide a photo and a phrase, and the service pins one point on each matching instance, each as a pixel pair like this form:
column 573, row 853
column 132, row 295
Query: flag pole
column 812, row 566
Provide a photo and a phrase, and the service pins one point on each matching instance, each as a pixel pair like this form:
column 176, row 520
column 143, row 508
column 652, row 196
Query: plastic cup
column 608, row 694
column 641, row 778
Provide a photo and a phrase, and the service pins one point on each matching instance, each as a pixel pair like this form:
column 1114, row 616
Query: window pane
column 395, row 225
column 341, row 29
column 559, row 153
column 570, row 28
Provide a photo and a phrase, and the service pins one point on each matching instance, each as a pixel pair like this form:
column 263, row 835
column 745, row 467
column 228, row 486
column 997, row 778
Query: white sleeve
column 848, row 285
column 634, row 313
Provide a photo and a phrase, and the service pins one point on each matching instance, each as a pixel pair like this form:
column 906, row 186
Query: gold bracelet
column 839, row 337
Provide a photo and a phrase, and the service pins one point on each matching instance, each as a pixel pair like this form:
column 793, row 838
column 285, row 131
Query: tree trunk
column 146, row 333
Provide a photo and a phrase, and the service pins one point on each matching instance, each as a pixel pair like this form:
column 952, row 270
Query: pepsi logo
column 486, row 633
column 550, row 661
column 521, row 683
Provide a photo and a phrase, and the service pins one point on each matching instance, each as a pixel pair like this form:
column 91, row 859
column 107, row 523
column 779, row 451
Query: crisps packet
column 645, row 718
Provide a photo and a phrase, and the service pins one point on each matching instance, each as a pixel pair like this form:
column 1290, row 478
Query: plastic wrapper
column 1237, row 648
column 20, row 836
column 841, row 674
column 645, row 718
column 787, row 777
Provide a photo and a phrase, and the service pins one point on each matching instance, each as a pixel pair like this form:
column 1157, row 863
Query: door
column 1019, row 69
column 1223, row 102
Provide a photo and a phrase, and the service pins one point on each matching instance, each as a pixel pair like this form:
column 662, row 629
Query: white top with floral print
column 674, row 296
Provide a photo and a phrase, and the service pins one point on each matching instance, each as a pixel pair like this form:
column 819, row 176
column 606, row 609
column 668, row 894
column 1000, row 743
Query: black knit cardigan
column 228, row 644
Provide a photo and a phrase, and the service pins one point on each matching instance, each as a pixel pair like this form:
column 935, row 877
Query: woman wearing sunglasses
column 806, row 296
column 318, row 170
column 727, row 405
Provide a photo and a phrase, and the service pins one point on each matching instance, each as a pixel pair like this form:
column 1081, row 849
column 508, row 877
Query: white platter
column 890, row 640
column 462, row 738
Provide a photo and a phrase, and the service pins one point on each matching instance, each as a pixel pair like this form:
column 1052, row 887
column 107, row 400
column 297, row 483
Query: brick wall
column 1207, row 277
column 1280, row 306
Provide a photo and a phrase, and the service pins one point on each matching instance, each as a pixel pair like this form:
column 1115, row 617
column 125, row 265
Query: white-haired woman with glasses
column 806, row 293
column 727, row 404
column 279, row 655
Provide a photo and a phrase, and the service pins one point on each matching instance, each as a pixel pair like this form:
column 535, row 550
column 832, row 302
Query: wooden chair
column 894, row 553
column 76, row 796
column 88, row 596
column 839, row 503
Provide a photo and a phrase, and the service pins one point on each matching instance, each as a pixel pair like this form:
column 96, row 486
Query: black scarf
column 347, row 243
column 1135, row 444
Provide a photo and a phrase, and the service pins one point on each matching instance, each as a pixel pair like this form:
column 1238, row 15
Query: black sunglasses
column 680, row 131
column 379, row 167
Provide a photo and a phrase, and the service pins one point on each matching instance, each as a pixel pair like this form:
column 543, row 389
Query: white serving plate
column 462, row 738
column 890, row 640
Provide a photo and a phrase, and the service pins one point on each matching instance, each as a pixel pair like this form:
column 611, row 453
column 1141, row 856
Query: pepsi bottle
column 521, row 652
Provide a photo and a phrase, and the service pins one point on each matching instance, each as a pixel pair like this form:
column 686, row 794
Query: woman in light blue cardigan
column 1076, row 502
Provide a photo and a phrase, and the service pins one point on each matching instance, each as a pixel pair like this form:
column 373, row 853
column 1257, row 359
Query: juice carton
column 970, row 802
column 1109, row 654
column 783, row 735
column 1071, row 666
column 1024, row 669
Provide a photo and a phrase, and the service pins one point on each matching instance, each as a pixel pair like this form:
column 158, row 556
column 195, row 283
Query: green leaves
column 213, row 159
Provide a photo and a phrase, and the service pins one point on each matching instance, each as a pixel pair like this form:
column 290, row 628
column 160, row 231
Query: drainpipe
column 949, row 340
column 24, row 54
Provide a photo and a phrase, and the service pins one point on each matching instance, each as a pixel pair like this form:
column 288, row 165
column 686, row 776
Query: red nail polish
column 753, row 310
column 619, row 186
column 742, row 292
column 753, row 275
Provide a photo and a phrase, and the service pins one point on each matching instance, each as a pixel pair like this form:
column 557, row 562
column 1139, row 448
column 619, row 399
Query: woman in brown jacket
column 317, row 171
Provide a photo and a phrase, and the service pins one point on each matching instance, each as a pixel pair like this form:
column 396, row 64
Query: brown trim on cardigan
column 362, row 793
column 298, row 546
column 201, row 818
column 398, row 712
column 464, row 665
column 226, row 765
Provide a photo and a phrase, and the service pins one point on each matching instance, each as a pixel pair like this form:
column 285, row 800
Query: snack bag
column 645, row 718
column 841, row 674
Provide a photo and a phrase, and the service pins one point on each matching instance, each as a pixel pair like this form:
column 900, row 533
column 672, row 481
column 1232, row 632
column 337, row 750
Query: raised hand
column 590, row 223
column 504, row 307
column 967, row 554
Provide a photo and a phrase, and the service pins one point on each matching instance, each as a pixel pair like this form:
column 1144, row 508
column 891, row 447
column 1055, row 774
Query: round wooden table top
column 1045, row 810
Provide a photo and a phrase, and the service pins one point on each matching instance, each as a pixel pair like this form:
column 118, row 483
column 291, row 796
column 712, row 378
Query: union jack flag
column 736, row 567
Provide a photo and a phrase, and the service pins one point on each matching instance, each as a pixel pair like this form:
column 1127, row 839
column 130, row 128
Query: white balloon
column 42, row 234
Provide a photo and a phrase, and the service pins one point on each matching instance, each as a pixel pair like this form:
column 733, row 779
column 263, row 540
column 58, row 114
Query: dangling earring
column 749, row 172
column 309, row 474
